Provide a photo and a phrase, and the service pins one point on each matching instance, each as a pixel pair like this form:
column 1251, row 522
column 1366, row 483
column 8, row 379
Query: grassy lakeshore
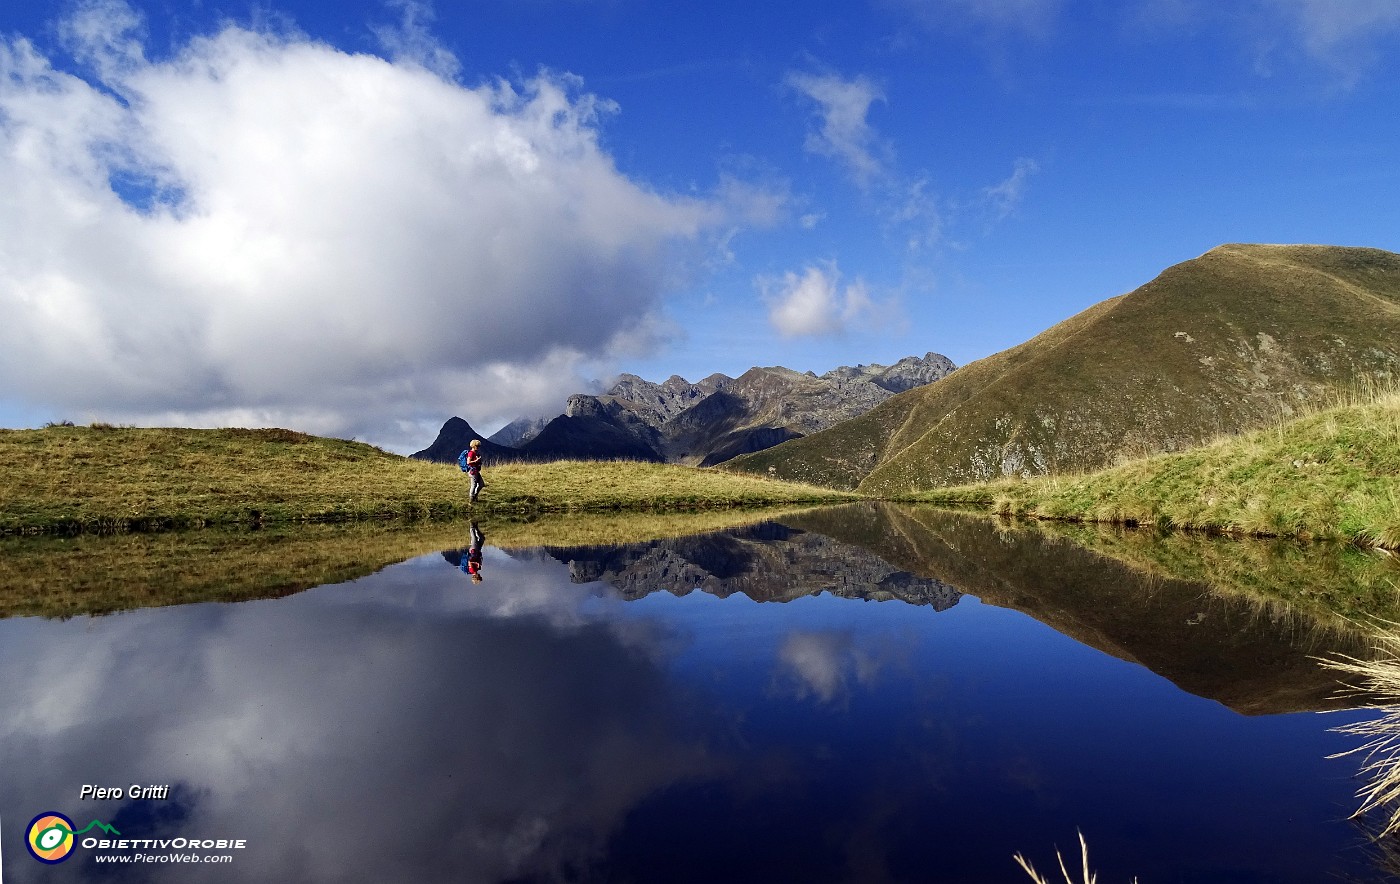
column 1330, row 475
column 67, row 575
column 113, row 479
column 1319, row 586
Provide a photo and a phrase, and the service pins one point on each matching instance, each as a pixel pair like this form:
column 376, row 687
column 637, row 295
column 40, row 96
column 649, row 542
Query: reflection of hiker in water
column 470, row 462
column 472, row 563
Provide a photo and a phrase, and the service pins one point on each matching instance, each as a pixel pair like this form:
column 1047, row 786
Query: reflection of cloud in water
column 825, row 663
column 403, row 727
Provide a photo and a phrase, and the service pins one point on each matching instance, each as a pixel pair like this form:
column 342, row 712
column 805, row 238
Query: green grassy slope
column 844, row 454
column 1334, row 474
column 122, row 478
column 1232, row 340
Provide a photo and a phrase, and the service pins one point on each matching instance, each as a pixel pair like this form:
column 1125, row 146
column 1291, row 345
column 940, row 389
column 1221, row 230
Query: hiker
column 470, row 461
column 472, row 563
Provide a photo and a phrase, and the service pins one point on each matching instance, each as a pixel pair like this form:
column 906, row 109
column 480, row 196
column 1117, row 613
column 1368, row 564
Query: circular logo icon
column 50, row 837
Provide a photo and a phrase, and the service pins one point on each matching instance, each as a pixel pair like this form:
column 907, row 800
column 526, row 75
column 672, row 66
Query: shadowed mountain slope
column 455, row 435
column 588, row 431
column 1234, row 339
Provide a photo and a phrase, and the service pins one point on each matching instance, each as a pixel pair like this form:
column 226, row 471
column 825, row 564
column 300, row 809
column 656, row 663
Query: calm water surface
column 843, row 697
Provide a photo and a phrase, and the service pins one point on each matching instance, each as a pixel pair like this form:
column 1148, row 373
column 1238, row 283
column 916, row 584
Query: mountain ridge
column 1227, row 341
column 709, row 421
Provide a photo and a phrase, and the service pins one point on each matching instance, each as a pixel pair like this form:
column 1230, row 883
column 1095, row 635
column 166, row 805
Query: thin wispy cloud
column 1035, row 19
column 264, row 229
column 1347, row 35
column 1005, row 198
column 906, row 204
column 913, row 210
column 1345, row 38
column 843, row 131
column 411, row 38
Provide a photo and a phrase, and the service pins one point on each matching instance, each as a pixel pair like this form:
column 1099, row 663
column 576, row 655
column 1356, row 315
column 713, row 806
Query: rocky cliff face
column 519, row 431
column 911, row 372
column 655, row 404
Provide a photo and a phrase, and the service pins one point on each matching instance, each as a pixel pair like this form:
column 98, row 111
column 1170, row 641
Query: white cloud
column 844, row 133
column 825, row 664
column 266, row 229
column 815, row 303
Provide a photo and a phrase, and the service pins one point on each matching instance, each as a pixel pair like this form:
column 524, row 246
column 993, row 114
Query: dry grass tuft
column 1380, row 681
column 1088, row 876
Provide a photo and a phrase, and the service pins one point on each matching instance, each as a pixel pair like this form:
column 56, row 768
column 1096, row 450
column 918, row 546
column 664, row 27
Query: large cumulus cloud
column 263, row 229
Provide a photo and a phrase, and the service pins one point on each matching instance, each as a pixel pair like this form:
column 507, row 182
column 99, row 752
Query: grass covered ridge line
column 114, row 479
column 1331, row 475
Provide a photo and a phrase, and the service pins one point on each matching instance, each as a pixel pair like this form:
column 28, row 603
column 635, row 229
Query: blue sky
column 361, row 218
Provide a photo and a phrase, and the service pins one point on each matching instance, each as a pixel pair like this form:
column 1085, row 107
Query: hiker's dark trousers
column 477, row 484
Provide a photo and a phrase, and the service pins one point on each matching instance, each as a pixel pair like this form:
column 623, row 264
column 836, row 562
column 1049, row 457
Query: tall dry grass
column 1378, row 680
column 1088, row 877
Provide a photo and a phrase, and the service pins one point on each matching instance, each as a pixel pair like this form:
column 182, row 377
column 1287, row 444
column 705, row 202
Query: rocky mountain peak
column 914, row 371
column 518, row 431
column 584, row 405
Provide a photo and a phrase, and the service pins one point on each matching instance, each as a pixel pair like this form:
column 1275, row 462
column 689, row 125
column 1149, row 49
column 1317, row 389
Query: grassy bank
column 1330, row 475
column 1318, row 586
column 112, row 479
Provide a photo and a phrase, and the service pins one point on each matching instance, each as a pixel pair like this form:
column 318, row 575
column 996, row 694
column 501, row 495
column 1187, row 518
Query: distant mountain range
column 1240, row 337
column 704, row 423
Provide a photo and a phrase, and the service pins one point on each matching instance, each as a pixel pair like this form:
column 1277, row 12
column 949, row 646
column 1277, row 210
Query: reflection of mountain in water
column 1212, row 643
column 767, row 563
column 1253, row 658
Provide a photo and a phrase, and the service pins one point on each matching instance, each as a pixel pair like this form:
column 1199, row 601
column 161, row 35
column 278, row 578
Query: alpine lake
column 858, row 693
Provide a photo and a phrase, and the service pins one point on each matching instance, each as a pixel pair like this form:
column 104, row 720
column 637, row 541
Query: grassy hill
column 108, row 478
column 1334, row 474
column 1235, row 339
